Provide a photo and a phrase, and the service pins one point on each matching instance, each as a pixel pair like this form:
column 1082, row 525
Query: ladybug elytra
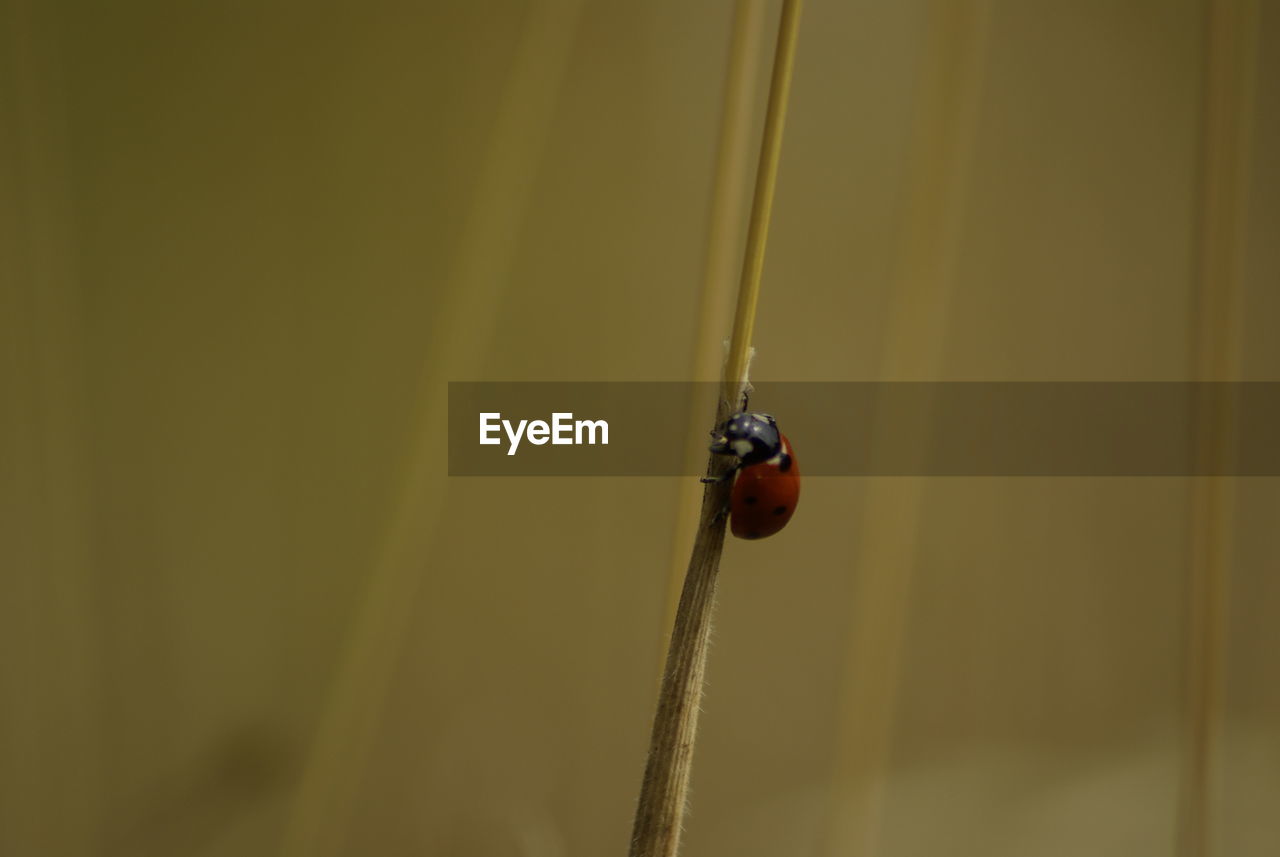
column 766, row 478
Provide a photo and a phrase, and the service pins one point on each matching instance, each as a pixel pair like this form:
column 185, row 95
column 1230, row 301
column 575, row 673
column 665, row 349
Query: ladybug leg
column 717, row 480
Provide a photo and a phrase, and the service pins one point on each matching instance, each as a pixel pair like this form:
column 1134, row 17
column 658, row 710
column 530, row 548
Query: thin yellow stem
column 666, row 778
column 744, row 318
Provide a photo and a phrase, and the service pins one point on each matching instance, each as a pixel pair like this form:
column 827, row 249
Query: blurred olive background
column 244, row 611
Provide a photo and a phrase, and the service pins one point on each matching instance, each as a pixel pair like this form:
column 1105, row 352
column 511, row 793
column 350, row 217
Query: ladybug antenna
column 746, row 374
column 746, row 377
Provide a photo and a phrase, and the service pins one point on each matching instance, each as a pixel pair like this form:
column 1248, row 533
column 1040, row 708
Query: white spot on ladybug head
column 784, row 454
column 741, row 447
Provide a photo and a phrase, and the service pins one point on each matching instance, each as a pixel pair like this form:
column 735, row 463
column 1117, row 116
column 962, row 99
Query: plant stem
column 666, row 778
column 744, row 319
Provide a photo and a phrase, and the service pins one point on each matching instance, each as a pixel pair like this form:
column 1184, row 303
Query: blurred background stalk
column 1229, row 92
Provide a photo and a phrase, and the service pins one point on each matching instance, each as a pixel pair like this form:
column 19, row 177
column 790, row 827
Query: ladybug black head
column 751, row 437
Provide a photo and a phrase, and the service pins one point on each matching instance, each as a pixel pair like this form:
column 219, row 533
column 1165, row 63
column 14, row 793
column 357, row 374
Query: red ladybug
column 766, row 483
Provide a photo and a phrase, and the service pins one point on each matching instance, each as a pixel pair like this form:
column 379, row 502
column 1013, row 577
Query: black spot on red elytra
column 780, row 510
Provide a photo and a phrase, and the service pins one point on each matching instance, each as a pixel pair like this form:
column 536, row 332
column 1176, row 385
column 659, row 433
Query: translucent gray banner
column 875, row 429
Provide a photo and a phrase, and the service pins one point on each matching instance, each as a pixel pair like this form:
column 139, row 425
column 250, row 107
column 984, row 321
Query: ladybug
column 766, row 478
